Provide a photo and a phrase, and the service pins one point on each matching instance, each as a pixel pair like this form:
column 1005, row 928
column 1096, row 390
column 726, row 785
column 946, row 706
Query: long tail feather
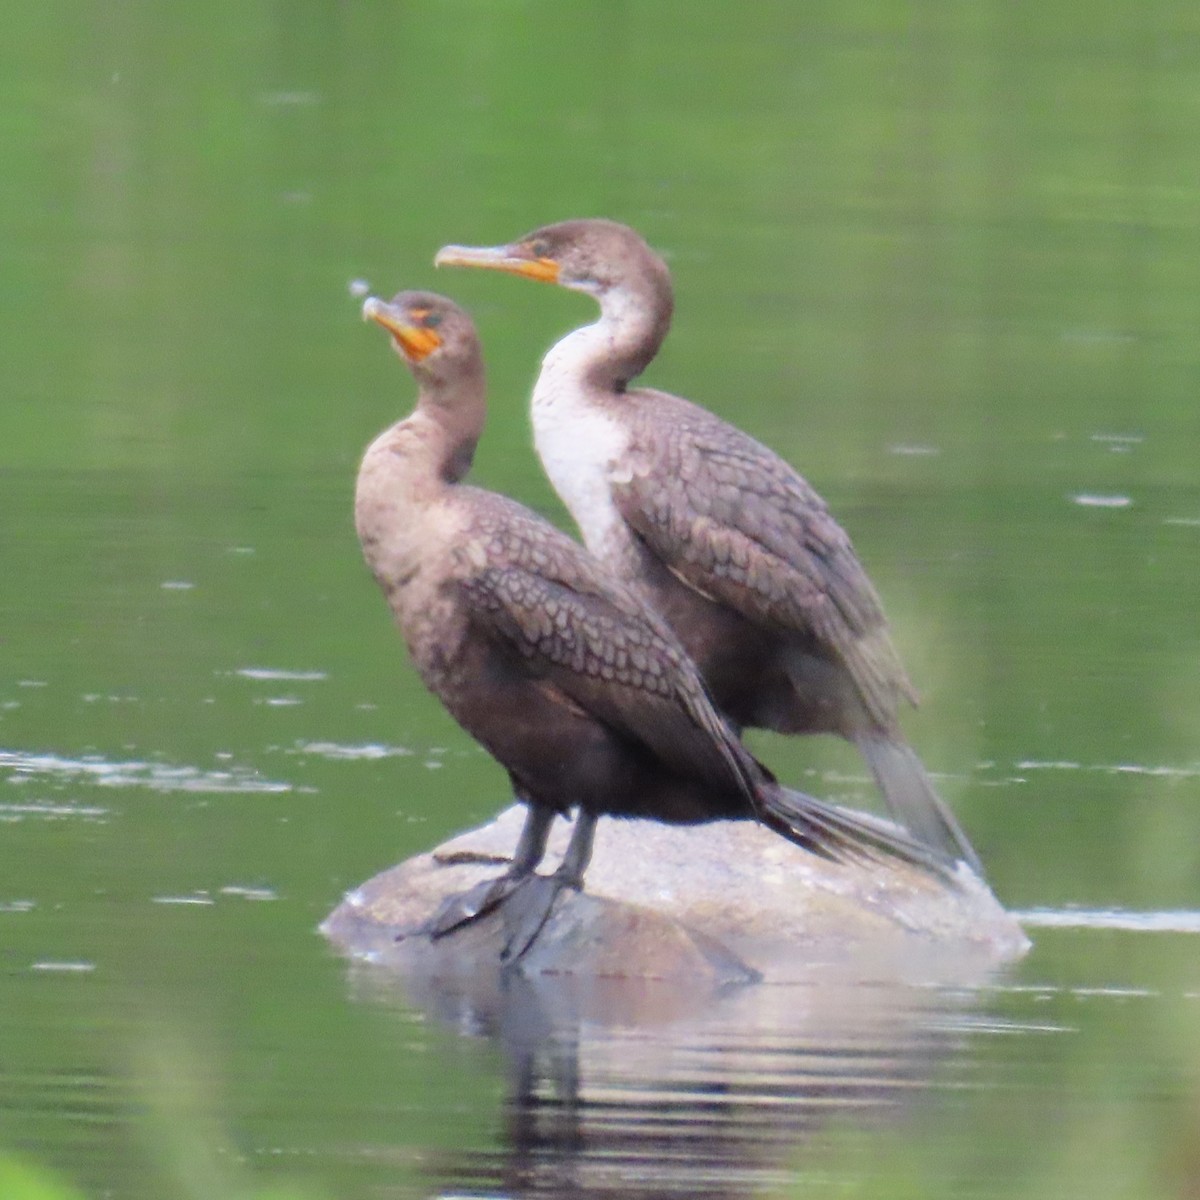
column 912, row 800
column 841, row 836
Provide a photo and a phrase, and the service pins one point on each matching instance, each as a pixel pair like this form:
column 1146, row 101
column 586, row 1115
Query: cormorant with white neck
column 564, row 674
column 724, row 537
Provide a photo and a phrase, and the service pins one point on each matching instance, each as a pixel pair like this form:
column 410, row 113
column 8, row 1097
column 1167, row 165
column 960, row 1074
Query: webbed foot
column 526, row 900
column 485, row 896
column 471, row 905
column 527, row 910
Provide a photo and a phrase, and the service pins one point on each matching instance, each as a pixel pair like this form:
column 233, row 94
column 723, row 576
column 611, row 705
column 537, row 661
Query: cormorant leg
column 531, row 845
column 579, row 851
column 478, row 901
column 528, row 909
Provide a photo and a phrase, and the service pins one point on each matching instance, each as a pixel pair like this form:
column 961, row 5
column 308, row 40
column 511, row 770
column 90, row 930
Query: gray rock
column 712, row 904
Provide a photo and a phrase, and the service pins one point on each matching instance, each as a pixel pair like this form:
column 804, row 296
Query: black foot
column 527, row 910
column 471, row 905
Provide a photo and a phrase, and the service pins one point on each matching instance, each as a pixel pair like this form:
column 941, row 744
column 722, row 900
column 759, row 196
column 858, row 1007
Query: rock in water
column 727, row 901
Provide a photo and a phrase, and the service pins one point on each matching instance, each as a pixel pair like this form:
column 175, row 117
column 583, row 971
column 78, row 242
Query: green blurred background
column 941, row 256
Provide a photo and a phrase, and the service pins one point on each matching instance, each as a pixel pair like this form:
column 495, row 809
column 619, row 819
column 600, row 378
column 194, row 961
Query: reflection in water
column 646, row 1089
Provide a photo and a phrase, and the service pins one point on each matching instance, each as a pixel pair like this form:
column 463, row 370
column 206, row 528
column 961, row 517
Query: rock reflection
column 646, row 1089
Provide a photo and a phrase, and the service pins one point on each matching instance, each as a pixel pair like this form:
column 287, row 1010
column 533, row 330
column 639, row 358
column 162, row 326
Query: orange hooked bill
column 416, row 341
column 499, row 258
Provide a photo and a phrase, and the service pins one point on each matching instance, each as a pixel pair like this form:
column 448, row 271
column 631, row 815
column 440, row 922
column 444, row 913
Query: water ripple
column 1167, row 921
column 52, row 812
column 1161, row 771
column 340, row 753
column 1095, row 500
column 274, row 674
column 155, row 776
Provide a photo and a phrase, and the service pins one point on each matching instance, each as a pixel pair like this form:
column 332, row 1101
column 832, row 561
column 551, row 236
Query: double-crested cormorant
column 724, row 538
column 564, row 674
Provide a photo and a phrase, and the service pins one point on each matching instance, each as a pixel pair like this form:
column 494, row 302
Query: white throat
column 579, row 440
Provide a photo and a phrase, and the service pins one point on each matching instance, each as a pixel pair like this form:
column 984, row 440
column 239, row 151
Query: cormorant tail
column 912, row 800
column 846, row 837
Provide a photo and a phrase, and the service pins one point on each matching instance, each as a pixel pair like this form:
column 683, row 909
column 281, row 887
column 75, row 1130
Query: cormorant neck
column 634, row 319
column 407, row 474
column 431, row 449
column 455, row 412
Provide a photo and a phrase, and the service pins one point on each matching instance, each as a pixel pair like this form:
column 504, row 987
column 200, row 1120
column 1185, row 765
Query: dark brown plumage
column 727, row 541
column 565, row 675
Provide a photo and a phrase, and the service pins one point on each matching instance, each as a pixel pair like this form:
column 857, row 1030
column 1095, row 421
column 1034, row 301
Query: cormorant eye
column 432, row 320
column 540, row 248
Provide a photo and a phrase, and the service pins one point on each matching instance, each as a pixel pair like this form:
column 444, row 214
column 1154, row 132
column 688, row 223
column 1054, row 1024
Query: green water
column 941, row 256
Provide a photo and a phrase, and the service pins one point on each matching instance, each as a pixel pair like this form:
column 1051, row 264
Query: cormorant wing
column 735, row 522
column 590, row 636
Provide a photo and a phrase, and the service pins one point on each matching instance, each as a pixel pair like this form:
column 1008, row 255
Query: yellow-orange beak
column 513, row 259
column 415, row 341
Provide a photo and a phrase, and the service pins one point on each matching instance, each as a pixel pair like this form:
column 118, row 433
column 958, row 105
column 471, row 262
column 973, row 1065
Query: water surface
column 941, row 257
